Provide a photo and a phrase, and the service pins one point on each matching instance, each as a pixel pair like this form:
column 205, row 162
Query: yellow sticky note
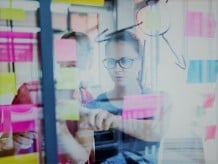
column 67, row 78
column 12, row 14
column 83, row 2
column 152, row 20
column 68, row 109
column 7, row 83
column 32, row 158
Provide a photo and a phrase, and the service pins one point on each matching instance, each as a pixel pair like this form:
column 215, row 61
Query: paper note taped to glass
column 67, row 78
column 68, row 109
column 141, row 106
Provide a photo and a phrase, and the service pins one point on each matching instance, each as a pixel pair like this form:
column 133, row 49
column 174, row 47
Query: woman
column 130, row 137
column 75, row 139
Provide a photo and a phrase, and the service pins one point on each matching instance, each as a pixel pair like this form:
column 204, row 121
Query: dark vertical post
column 48, row 96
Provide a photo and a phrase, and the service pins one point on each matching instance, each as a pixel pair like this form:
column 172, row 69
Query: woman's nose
column 118, row 67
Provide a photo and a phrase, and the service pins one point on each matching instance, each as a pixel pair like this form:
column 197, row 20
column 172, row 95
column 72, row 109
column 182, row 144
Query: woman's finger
column 92, row 118
column 100, row 119
column 107, row 124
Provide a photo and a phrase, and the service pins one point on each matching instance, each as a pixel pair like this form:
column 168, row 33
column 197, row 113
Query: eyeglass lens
column 123, row 62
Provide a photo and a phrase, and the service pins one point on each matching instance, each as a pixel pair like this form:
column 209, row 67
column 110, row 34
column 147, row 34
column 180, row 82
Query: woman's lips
column 119, row 77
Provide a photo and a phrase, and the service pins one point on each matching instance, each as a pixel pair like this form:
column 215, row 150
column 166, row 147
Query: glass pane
column 20, row 91
column 138, row 107
column 77, row 71
column 135, row 82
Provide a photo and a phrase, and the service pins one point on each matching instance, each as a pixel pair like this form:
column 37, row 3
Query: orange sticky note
column 65, row 49
column 7, row 83
column 83, row 2
column 12, row 14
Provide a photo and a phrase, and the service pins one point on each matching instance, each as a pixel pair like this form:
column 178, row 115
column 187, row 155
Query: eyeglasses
column 124, row 62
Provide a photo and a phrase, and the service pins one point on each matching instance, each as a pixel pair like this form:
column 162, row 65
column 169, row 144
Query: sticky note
column 152, row 20
column 65, row 49
column 7, row 83
column 12, row 14
column 23, row 158
column 210, row 25
column 21, row 117
column 14, row 34
column 209, row 101
column 199, row 24
column 211, row 132
column 68, row 109
column 11, row 51
column 200, row 111
column 194, row 24
column 141, row 106
column 67, row 78
column 202, row 71
column 16, row 52
column 83, row 2
column 138, row 1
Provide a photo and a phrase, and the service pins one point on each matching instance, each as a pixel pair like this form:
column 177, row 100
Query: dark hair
column 82, row 40
column 126, row 36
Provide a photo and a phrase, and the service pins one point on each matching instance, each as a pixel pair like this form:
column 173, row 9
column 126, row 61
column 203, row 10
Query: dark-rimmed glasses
column 124, row 62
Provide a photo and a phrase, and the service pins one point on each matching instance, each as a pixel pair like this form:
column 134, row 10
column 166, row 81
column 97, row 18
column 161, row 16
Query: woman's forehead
column 120, row 48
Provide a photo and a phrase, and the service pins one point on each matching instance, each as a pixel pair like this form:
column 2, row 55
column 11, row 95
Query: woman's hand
column 23, row 140
column 103, row 120
column 78, row 147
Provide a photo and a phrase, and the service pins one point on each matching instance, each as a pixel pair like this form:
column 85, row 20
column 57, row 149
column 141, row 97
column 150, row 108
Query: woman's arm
column 142, row 129
column 77, row 148
column 149, row 130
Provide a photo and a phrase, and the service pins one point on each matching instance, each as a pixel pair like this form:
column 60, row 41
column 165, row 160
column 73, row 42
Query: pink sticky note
column 210, row 132
column 193, row 26
column 16, row 52
column 12, row 34
column 11, row 51
column 138, row 1
column 210, row 25
column 209, row 100
column 65, row 49
column 200, row 24
column 141, row 106
column 24, row 126
column 20, row 117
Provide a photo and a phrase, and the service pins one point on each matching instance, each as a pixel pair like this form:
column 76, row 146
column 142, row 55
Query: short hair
column 126, row 36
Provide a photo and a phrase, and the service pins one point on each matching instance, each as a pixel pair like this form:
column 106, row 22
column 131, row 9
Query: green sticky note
column 200, row 111
column 67, row 78
column 68, row 109
column 7, row 83
column 83, row 2
column 12, row 14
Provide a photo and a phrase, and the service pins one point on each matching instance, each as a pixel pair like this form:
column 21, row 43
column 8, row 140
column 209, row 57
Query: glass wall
column 20, row 91
column 108, row 81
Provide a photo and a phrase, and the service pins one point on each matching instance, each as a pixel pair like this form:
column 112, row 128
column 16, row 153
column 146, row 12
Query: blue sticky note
column 202, row 71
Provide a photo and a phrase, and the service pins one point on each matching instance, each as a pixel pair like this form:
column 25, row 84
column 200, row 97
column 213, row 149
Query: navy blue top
column 111, row 142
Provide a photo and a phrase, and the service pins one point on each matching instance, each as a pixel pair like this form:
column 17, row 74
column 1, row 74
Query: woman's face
column 126, row 71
